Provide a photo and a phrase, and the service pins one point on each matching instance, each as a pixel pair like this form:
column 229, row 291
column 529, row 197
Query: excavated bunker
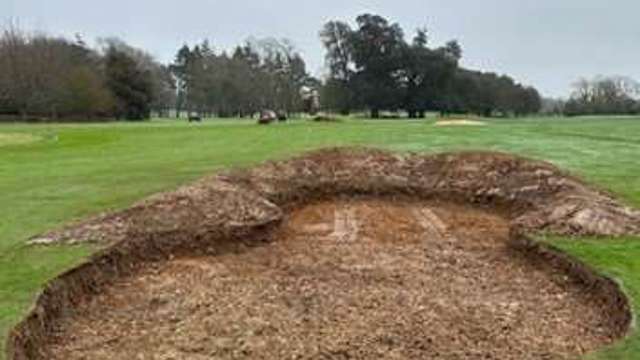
column 341, row 254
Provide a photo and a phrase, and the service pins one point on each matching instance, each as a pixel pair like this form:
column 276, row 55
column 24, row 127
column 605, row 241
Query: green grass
column 73, row 171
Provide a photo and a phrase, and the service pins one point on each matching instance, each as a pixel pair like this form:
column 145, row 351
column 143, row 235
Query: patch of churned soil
column 345, row 279
column 536, row 196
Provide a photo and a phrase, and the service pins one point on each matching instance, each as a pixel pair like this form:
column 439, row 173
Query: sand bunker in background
column 460, row 123
column 10, row 139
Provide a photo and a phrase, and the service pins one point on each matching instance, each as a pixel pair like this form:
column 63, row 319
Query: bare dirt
column 347, row 279
column 340, row 254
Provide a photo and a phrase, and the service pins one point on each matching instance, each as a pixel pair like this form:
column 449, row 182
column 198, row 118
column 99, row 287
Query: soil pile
column 535, row 196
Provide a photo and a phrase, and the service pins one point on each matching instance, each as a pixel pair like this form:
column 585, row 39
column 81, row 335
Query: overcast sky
column 545, row 43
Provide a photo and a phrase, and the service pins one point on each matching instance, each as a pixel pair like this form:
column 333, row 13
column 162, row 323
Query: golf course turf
column 74, row 171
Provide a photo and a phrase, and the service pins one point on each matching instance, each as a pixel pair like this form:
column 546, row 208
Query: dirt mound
column 180, row 263
column 209, row 205
column 536, row 196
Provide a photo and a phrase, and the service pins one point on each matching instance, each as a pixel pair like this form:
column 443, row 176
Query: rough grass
column 79, row 170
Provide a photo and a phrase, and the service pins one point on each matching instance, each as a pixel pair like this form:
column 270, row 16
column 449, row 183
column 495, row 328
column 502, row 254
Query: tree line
column 370, row 67
column 44, row 77
column 373, row 67
column 258, row 75
column 616, row 95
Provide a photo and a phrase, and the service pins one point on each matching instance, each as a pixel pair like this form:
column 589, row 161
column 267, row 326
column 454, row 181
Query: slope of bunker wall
column 439, row 265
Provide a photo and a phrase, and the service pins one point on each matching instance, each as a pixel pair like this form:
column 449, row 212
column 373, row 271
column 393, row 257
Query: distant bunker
column 12, row 139
column 460, row 122
column 341, row 254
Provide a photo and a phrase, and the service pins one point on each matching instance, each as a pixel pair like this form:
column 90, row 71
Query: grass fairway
column 73, row 171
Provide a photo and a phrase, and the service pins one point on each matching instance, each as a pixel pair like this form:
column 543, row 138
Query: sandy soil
column 10, row 139
column 358, row 279
column 460, row 123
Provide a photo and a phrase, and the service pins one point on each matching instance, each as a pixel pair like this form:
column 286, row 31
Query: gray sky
column 546, row 43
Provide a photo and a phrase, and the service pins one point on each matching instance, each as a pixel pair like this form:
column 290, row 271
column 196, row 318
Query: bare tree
column 604, row 95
